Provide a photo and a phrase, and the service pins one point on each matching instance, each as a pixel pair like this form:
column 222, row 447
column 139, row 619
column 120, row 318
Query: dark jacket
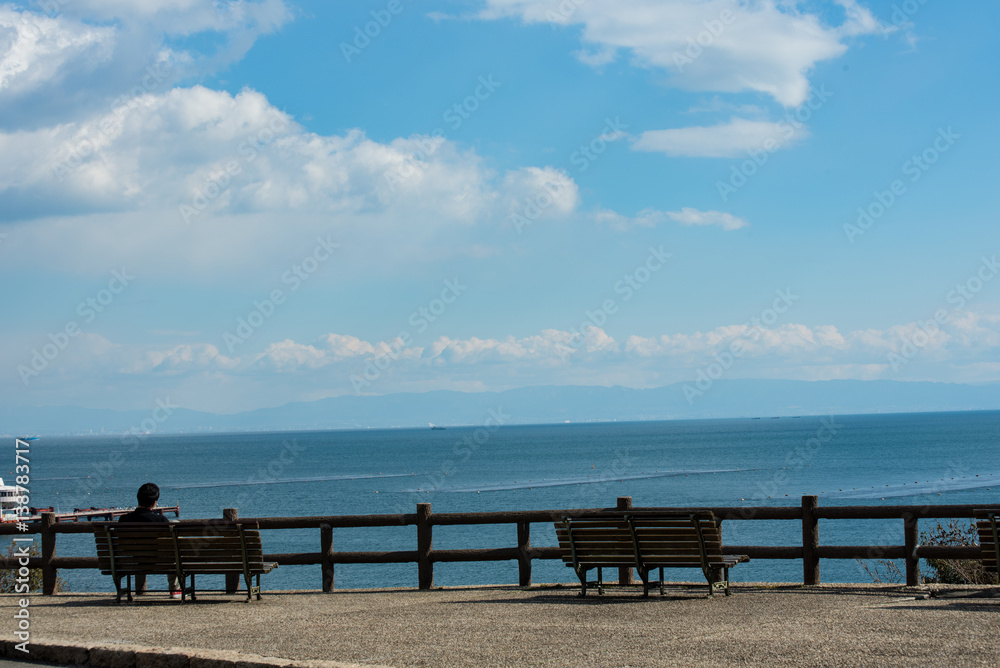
column 141, row 514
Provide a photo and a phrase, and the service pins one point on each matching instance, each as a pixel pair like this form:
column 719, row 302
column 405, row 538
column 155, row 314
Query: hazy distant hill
column 531, row 405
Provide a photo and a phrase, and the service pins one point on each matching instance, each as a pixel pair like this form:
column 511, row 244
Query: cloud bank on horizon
column 245, row 203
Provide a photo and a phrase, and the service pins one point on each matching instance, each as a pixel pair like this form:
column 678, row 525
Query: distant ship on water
column 434, row 426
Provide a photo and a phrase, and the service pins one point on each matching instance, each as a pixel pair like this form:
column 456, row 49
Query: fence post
column 523, row 560
column 232, row 579
column 810, row 540
column 49, row 574
column 911, row 537
column 625, row 575
column 48, row 551
column 326, row 555
column 425, row 543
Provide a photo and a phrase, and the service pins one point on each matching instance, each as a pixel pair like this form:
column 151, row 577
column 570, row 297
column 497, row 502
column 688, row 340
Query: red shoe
column 175, row 594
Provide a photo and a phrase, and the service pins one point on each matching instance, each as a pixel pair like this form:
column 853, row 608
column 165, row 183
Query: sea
column 884, row 459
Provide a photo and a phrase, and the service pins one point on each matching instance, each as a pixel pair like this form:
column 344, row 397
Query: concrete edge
column 136, row 656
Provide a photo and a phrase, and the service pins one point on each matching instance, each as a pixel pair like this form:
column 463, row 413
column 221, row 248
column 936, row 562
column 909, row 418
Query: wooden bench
column 646, row 541
column 989, row 538
column 180, row 550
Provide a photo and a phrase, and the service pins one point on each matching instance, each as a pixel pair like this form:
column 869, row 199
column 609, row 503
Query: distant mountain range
column 528, row 405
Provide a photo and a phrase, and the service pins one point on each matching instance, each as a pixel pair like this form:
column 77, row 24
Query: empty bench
column 181, row 550
column 989, row 538
column 646, row 541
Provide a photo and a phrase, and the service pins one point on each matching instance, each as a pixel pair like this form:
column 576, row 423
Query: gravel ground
column 760, row 625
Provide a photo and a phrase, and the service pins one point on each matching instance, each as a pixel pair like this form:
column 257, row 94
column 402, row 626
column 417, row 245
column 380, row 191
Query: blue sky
column 242, row 204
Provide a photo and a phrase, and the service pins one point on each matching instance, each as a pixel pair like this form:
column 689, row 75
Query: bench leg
column 119, row 589
column 662, row 592
column 600, row 582
column 251, row 590
column 718, row 580
column 582, row 576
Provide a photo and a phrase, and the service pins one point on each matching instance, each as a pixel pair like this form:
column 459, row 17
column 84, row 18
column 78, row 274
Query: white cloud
column 712, row 45
column 290, row 356
column 200, row 179
column 686, row 216
column 689, row 216
column 726, row 140
column 36, row 49
column 90, row 55
column 536, row 192
column 180, row 359
column 287, row 370
column 551, row 347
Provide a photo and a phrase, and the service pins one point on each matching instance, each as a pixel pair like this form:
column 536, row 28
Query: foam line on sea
column 283, row 481
column 558, row 482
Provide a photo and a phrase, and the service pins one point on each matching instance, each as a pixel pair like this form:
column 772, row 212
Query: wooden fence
column 425, row 556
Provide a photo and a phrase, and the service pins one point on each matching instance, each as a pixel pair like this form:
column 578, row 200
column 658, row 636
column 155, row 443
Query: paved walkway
column 829, row 625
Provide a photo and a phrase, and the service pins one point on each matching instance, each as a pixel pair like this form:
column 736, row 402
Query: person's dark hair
column 147, row 495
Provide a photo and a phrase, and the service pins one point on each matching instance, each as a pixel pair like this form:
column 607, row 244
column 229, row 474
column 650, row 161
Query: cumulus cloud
column 204, row 177
column 725, row 140
column 713, row 45
column 87, row 55
column 36, row 49
column 536, row 193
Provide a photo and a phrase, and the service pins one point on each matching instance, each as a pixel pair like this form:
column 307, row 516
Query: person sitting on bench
column 147, row 496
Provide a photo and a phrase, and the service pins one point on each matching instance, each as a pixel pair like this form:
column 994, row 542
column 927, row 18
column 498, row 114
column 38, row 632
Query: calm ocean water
column 932, row 458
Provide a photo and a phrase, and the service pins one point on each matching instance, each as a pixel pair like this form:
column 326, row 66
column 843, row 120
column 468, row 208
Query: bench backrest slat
column 644, row 540
column 125, row 548
column 988, row 526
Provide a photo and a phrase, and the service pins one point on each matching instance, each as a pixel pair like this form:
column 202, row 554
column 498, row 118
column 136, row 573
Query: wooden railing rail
column 425, row 556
